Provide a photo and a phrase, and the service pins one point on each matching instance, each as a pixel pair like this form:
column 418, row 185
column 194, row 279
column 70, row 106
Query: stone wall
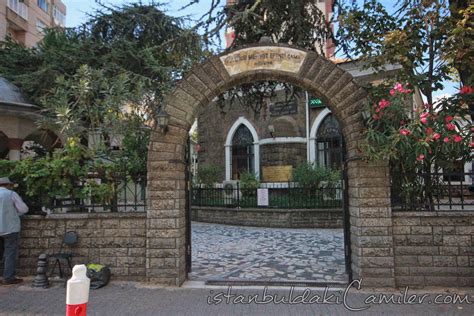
column 116, row 240
column 434, row 248
column 262, row 217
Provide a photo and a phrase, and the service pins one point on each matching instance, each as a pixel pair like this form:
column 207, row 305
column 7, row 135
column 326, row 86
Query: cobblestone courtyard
column 236, row 253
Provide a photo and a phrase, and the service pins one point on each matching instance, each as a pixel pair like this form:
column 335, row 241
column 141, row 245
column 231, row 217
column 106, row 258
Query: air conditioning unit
column 231, row 192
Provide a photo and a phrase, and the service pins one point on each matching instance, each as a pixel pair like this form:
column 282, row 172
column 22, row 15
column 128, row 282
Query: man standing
column 11, row 207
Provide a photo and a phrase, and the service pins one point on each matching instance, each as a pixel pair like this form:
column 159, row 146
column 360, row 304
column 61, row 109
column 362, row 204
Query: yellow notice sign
column 265, row 57
column 277, row 173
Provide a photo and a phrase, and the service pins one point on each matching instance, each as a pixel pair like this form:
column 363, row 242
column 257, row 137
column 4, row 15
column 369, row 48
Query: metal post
column 41, row 279
column 238, row 194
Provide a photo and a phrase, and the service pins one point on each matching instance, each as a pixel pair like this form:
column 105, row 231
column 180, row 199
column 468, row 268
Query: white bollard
column 77, row 295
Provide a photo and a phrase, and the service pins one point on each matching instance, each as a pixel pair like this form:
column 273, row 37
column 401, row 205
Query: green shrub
column 249, row 183
column 65, row 173
column 312, row 176
column 208, row 176
column 6, row 168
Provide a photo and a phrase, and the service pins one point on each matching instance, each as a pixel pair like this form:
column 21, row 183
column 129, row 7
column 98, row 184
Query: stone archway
column 369, row 190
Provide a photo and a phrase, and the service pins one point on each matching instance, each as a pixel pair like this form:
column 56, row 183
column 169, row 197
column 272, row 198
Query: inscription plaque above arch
column 263, row 57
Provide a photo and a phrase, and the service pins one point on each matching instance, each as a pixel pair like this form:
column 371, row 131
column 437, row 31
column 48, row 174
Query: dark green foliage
column 132, row 159
column 249, row 184
column 207, row 176
column 6, row 167
column 296, row 22
column 424, row 37
column 105, row 78
column 311, row 176
column 150, row 47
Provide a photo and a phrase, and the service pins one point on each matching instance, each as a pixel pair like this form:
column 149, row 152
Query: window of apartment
column 40, row 26
column 58, row 16
column 43, row 4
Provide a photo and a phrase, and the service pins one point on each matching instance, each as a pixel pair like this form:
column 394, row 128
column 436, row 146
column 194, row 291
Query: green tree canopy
column 150, row 47
column 105, row 78
column 430, row 39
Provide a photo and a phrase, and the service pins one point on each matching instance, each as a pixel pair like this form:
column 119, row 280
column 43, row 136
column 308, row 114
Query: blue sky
column 77, row 9
column 77, row 13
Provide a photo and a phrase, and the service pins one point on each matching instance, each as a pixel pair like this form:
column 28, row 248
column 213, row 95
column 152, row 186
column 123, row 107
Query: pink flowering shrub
column 415, row 138
column 429, row 138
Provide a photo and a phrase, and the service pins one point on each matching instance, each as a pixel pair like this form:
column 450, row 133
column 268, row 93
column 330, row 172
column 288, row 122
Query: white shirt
column 20, row 206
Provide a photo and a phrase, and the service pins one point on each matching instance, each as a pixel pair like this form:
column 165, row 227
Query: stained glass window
column 329, row 143
column 242, row 152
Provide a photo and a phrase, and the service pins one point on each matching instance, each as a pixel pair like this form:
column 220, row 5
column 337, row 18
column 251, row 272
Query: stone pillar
column 14, row 145
column 166, row 226
column 371, row 223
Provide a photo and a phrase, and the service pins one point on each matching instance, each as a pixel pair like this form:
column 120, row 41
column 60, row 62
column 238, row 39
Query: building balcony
column 17, row 15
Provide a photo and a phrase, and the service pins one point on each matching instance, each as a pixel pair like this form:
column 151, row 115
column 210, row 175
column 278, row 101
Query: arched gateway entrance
column 368, row 196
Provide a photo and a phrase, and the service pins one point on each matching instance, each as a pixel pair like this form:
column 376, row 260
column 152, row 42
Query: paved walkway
column 118, row 299
column 237, row 253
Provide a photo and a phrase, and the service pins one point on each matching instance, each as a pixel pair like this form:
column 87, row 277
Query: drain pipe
column 307, row 127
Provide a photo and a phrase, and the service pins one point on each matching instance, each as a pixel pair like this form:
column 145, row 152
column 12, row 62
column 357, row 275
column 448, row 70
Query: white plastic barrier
column 77, row 295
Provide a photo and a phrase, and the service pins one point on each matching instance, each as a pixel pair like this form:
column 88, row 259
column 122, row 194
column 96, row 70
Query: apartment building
column 25, row 20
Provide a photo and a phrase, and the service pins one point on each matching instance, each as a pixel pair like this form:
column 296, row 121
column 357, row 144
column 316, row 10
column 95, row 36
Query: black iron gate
column 346, row 219
column 188, row 186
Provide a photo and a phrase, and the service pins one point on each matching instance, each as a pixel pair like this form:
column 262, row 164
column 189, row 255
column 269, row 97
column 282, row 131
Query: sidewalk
column 128, row 298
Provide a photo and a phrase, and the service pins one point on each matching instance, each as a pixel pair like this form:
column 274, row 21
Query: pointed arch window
column 242, row 152
column 329, row 143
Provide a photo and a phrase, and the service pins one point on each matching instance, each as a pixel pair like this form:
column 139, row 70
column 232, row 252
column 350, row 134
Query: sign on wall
column 262, row 197
column 283, row 108
column 315, row 102
column 277, row 173
column 266, row 57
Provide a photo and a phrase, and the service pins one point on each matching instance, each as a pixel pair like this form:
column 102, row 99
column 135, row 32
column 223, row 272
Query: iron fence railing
column 282, row 195
column 127, row 197
column 435, row 191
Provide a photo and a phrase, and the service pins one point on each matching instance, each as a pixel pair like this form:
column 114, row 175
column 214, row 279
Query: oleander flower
column 446, row 140
column 399, row 87
column 457, row 138
column 450, row 126
column 421, row 157
column 436, row 136
column 405, row 132
column 465, row 90
column 384, row 103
